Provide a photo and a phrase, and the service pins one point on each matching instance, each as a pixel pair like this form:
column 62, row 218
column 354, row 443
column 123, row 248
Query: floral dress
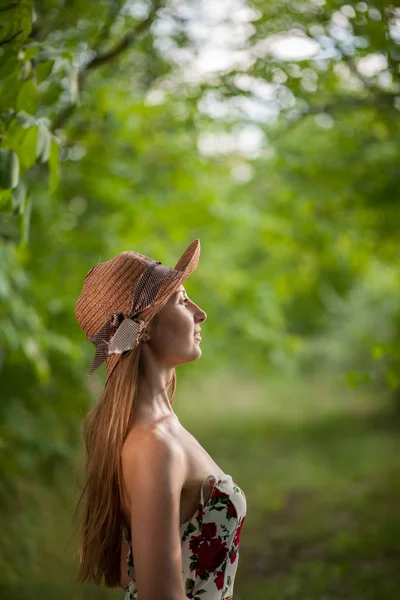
column 210, row 543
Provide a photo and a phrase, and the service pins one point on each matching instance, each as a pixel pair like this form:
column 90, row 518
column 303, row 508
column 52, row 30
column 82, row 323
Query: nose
column 200, row 316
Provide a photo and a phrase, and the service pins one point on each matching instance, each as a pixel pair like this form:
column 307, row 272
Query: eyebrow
column 180, row 292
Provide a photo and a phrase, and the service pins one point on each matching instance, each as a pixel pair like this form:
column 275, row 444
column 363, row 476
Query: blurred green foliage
column 111, row 139
column 320, row 470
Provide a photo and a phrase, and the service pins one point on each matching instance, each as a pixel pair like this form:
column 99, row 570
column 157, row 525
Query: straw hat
column 121, row 295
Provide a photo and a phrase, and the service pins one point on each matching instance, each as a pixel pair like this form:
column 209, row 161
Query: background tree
column 281, row 153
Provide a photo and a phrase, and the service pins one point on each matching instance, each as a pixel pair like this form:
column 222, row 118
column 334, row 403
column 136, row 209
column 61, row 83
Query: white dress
column 210, row 543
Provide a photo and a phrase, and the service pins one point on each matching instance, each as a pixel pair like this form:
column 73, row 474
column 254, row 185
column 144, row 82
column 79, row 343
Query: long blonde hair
column 105, row 430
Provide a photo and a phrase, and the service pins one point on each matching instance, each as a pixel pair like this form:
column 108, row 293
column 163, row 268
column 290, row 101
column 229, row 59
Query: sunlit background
column 269, row 130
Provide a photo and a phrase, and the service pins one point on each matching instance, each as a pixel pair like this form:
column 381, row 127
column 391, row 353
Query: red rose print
column 194, row 543
column 219, row 580
column 210, row 555
column 209, row 530
column 231, row 510
column 218, row 494
column 233, row 557
column 236, row 539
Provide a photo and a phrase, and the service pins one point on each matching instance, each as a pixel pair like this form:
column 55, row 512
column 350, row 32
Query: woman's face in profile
column 174, row 332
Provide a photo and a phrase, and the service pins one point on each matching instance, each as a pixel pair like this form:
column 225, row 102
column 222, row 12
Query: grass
column 320, row 467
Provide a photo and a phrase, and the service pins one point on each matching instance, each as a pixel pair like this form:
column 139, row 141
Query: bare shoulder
column 152, row 453
column 163, row 435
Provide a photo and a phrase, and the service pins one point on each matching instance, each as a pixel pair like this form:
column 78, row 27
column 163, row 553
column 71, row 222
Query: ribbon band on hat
column 124, row 332
column 118, row 335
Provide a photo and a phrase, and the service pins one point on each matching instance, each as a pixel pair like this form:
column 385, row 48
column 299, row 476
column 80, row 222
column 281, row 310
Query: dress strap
column 125, row 535
column 213, row 481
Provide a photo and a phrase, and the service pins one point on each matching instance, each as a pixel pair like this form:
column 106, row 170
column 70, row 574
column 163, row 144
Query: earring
column 145, row 337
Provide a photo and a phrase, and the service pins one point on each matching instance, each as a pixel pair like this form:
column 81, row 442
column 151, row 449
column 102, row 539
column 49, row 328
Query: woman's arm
column 154, row 472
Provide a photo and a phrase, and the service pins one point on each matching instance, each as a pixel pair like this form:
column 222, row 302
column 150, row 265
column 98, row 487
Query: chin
column 198, row 353
column 194, row 355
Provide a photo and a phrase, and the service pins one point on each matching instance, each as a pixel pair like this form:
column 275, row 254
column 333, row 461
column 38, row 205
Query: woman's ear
column 145, row 336
column 150, row 327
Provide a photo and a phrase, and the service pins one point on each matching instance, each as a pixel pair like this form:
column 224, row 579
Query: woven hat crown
column 108, row 288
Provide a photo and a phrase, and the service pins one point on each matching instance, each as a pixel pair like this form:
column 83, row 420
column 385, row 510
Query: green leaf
column 43, row 144
column 9, row 90
column 189, row 584
column 379, row 351
column 26, row 220
column 18, row 197
column 9, row 226
column 5, row 199
column 30, row 50
column 15, row 135
column 28, row 148
column 54, row 165
column 393, row 379
column 43, row 70
column 27, row 98
column 355, row 378
column 9, row 65
column 9, row 168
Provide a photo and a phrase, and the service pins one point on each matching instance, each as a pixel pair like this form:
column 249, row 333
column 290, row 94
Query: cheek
column 180, row 330
column 175, row 331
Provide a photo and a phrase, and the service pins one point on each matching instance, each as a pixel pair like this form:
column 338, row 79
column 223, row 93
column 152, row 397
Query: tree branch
column 115, row 7
column 10, row 39
column 124, row 43
column 385, row 98
column 9, row 7
column 102, row 58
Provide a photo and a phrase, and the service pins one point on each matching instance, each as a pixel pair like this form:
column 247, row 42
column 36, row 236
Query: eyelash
column 185, row 301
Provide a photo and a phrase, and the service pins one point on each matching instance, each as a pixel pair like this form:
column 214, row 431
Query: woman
column 160, row 517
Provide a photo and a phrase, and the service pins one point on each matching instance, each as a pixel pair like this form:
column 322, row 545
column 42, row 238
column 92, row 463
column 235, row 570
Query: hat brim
column 183, row 269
